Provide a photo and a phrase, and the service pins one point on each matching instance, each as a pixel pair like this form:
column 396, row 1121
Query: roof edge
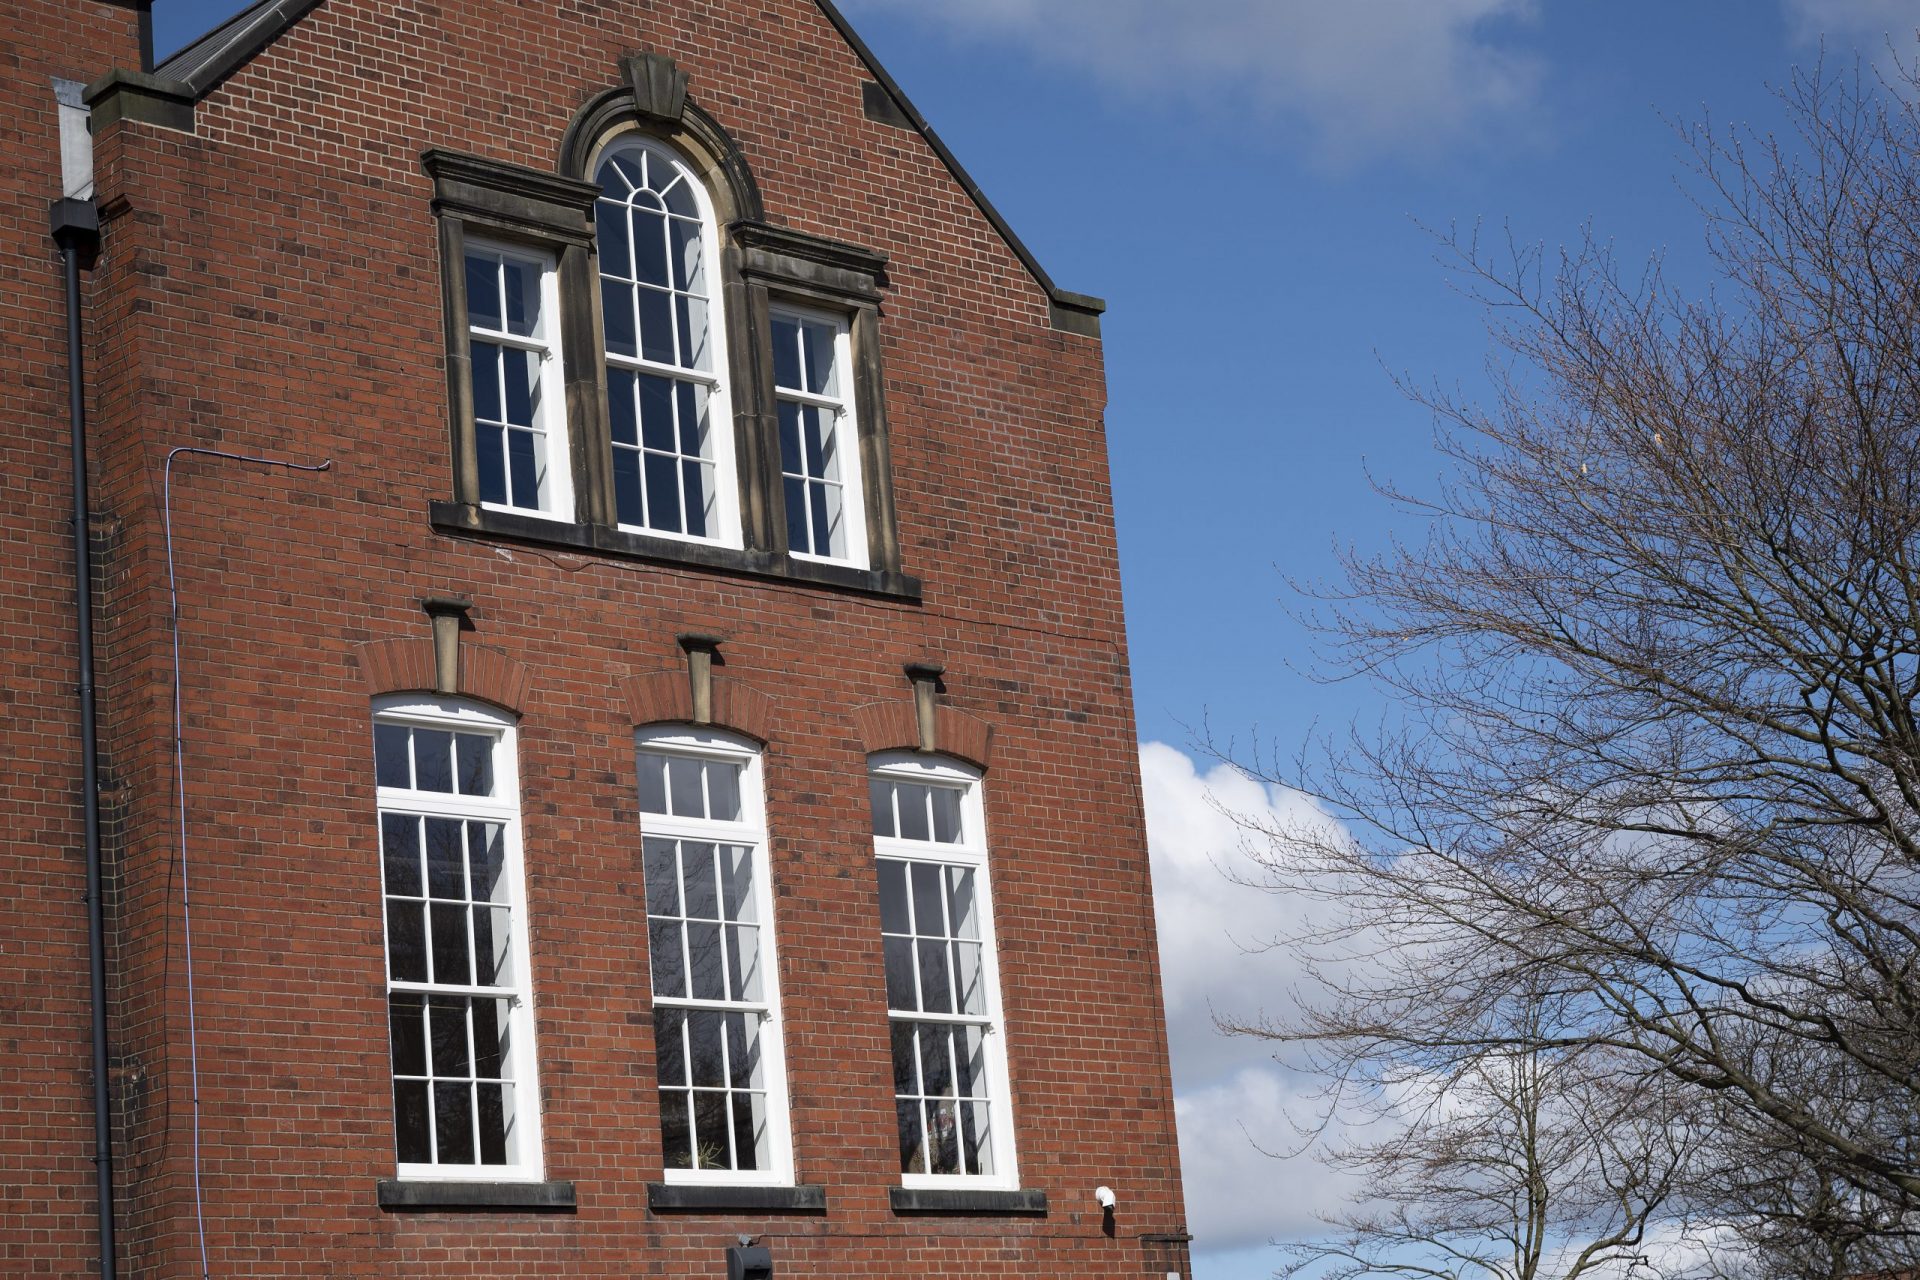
column 1083, row 308
column 204, row 64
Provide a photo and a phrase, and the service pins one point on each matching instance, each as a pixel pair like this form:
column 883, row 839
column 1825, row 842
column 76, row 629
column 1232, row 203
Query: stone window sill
column 680, row 1197
column 908, row 1200
column 461, row 518
column 536, row 1197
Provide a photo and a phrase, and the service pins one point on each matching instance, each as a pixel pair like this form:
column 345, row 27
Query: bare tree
column 1657, row 666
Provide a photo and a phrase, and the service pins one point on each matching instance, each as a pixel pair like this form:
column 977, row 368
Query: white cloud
column 1865, row 22
column 1395, row 76
column 1233, row 1099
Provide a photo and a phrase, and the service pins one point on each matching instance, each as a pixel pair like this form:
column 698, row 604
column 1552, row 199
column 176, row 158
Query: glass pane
column 473, row 754
column 911, row 802
column 912, row 1138
column 697, row 875
column 487, row 855
column 492, row 1059
column 822, row 373
column 935, row 995
column 621, row 174
column 970, row 1062
column 669, row 1051
column 697, row 491
column 490, row 447
column 880, row 793
column 799, row 526
column 629, row 507
column 946, row 815
column 656, row 325
column 690, row 320
column 432, row 760
column 751, row 1144
column 906, row 1070
column 663, row 878
column 707, row 978
column 900, row 991
column 705, row 1049
column 406, row 942
column 656, row 412
column 410, row 1123
column 683, row 783
column 743, row 962
column 400, row 853
column 650, row 246
column 824, row 506
column 815, row 426
column 447, row 1028
column 786, row 354
column 522, row 372
column 390, row 768
column 723, row 791
column 525, row 472
column 711, row 1147
column 407, row 1025
column 976, row 1139
column 675, row 188
column 963, row 913
column 936, row 1067
column 669, row 967
column 692, row 403
column 610, row 238
column 929, row 921
column 624, row 422
column 743, row 1050
column 943, row 1155
column 676, row 1132
column 967, row 977
column 487, row 404
column 689, row 267
column 737, row 898
column 483, row 291
column 453, row 1122
column 792, row 459
column 616, row 316
column 893, row 896
column 493, row 1123
column 663, row 493
column 450, row 960
column 492, row 934
column 446, row 858
column 523, row 298
column 653, row 783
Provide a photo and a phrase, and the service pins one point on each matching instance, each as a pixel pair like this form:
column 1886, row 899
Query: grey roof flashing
column 208, row 61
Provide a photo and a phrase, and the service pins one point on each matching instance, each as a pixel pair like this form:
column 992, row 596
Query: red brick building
column 615, row 752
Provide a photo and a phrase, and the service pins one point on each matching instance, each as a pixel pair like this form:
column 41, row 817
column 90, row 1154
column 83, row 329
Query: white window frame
column 846, row 431
column 504, row 808
column 553, row 390
column 750, row 831
column 971, row 853
column 728, row 530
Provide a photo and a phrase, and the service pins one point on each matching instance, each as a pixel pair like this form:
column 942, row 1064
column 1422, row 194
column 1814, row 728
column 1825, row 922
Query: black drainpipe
column 76, row 229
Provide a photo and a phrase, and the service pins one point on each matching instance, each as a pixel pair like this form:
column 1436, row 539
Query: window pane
column 736, row 877
column 522, row 377
column 751, row 1142
column 656, row 325
column 976, row 1139
column 446, row 858
column 815, row 428
column 390, row 766
column 706, row 1049
column 692, row 416
column 881, row 795
column 447, row 1031
column 707, row 978
column 629, row 507
column 487, row 855
column 968, row 979
column 928, row 919
column 893, row 896
column 483, row 292
column 962, row 914
column 670, row 1053
column 911, row 800
column 474, row 756
column 683, row 784
column 743, row 1051
column 822, row 373
column 935, row 994
column 490, row 450
column 407, row 1025
column 453, row 1122
column 690, row 320
column 663, row 493
column 432, row 760
column 900, row 990
column 689, row 268
column 799, row 526
column 492, row 1057
column 624, row 422
column 406, row 942
column 410, row 1122
column 653, row 783
column 970, row 1062
column 616, row 316
column 450, row 960
column 610, row 238
column 943, row 1155
column 786, row 354
column 711, row 1147
column 743, row 962
column 825, row 507
column 492, row 934
column 400, row 853
column 792, row 459
column 493, row 1123
column 697, row 874
column 663, row 877
column 650, row 246
column 656, row 412
column 906, row 1059
column 674, row 188
column 524, row 471
column 676, row 1131
column 912, row 1137
column 669, row 967
column 485, row 357
column 936, row 1067
column 946, row 815
column 523, row 298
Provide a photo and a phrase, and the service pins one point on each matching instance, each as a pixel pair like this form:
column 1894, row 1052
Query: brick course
column 269, row 285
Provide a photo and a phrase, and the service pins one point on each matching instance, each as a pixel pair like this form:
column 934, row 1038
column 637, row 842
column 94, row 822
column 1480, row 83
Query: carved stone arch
column 691, row 131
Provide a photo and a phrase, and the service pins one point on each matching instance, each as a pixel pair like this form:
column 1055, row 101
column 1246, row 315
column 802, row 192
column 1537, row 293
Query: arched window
column 670, row 417
column 943, row 986
column 459, row 997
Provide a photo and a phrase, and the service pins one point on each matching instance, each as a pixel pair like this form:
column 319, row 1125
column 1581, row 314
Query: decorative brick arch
column 666, row 697
column 893, row 726
column 406, row 666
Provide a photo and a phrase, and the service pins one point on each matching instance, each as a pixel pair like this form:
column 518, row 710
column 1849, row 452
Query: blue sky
column 1252, row 185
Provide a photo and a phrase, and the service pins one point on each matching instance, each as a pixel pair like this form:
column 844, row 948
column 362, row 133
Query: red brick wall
column 271, row 286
